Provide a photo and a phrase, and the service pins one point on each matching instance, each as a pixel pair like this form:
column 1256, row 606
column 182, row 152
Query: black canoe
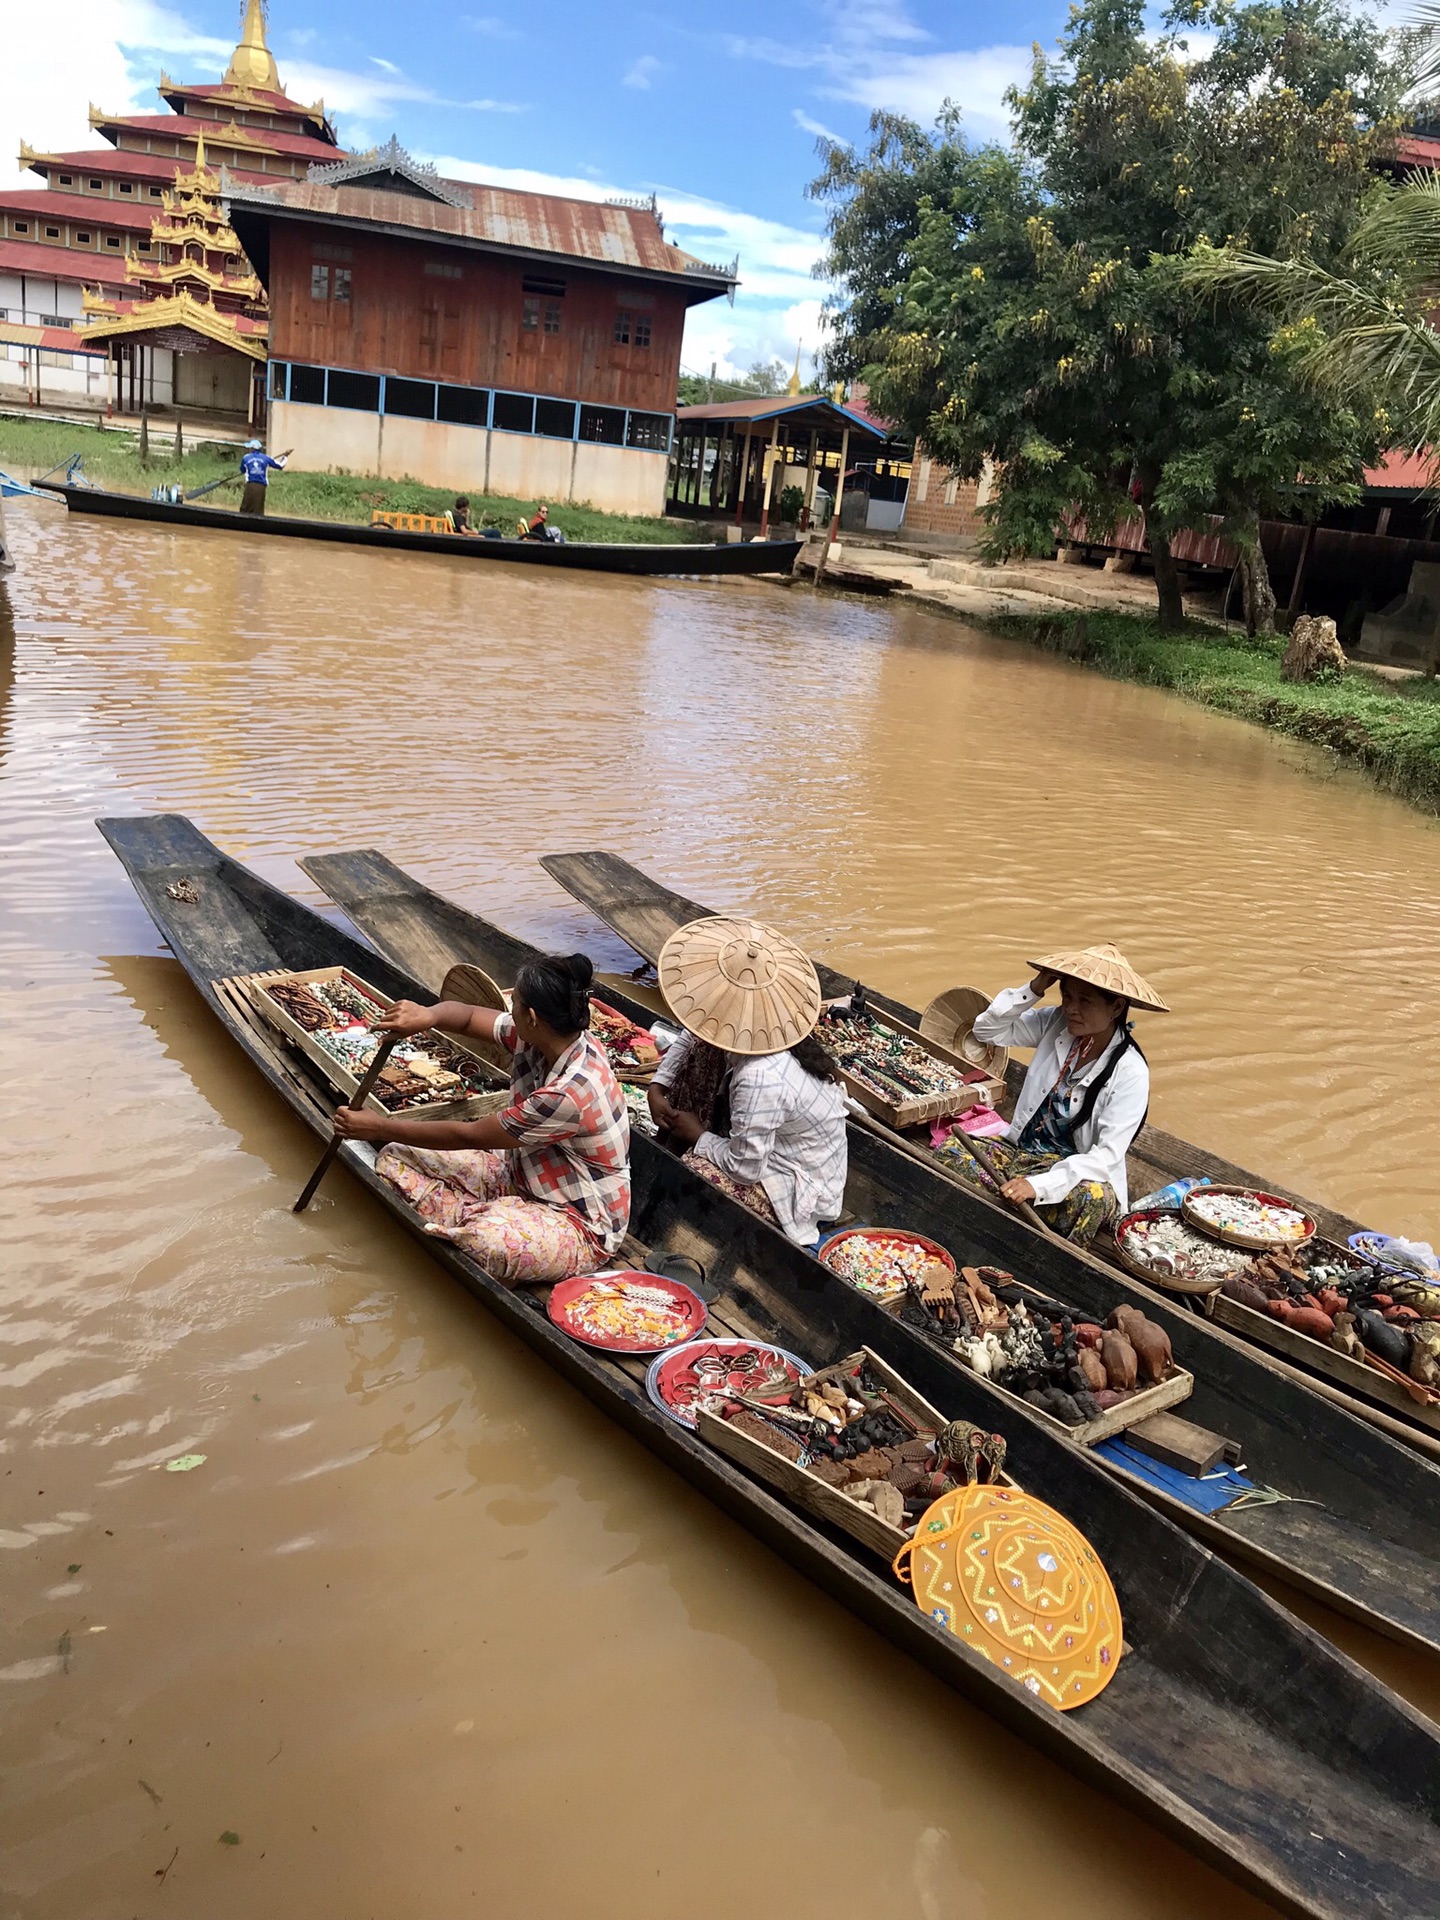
column 1229, row 1724
column 645, row 913
column 595, row 556
column 1369, row 1544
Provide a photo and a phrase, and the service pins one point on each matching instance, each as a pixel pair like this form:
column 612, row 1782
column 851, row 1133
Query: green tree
column 1032, row 305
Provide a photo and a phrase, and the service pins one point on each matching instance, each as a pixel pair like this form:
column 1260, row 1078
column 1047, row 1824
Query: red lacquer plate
column 627, row 1312
column 703, row 1370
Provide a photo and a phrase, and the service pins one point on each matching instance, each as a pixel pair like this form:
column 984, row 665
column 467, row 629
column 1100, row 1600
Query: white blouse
column 1016, row 1018
column 787, row 1133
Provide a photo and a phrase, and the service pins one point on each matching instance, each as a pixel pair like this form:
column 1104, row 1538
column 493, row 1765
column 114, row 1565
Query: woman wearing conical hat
column 770, row 1125
column 1086, row 1090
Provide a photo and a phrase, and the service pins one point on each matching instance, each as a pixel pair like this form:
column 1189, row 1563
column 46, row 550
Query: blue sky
column 717, row 114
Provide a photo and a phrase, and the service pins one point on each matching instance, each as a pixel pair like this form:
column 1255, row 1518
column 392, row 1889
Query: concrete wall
column 68, row 381
column 470, row 459
column 36, row 300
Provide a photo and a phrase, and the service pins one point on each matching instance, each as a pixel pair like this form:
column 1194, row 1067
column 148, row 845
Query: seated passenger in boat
column 540, row 1190
column 460, row 515
column 1085, row 1096
column 748, row 1091
column 539, row 528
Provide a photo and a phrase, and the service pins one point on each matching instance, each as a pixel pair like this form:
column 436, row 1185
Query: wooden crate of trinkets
column 832, row 1504
column 901, row 1109
column 447, row 1105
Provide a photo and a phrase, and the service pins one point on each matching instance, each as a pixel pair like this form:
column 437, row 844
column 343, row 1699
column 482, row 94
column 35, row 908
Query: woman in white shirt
column 1086, row 1091
column 772, row 1133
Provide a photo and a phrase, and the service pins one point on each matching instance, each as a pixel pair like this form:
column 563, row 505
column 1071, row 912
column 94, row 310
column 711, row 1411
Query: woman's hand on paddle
column 358, row 1123
column 1018, row 1189
column 685, row 1127
column 1042, row 984
column 403, row 1016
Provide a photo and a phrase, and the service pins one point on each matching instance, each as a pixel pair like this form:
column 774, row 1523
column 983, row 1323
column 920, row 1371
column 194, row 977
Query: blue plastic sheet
column 1212, row 1493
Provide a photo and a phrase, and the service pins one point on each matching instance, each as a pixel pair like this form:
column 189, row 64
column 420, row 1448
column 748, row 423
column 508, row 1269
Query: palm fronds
column 1365, row 326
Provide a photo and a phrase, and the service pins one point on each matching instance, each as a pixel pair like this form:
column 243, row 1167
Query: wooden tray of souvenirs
column 1138, row 1405
column 897, row 1105
column 832, row 1504
column 459, row 1085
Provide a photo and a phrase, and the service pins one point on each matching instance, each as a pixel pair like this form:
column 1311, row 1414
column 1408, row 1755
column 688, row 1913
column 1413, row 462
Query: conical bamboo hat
column 1107, row 968
column 740, row 985
column 949, row 1021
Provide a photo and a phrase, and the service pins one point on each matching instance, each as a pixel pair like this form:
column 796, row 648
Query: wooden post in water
column 805, row 511
column 835, row 508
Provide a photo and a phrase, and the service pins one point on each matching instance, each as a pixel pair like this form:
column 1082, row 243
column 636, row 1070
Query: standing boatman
column 255, row 465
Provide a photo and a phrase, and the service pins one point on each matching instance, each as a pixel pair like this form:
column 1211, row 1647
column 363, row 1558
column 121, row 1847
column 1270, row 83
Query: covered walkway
column 735, row 458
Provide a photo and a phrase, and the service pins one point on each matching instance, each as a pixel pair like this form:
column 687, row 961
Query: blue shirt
column 255, row 464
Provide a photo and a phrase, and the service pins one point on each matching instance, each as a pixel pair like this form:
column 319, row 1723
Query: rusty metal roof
column 628, row 238
column 800, row 410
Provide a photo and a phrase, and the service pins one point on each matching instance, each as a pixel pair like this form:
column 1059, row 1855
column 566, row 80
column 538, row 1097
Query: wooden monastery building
column 118, row 287
column 471, row 336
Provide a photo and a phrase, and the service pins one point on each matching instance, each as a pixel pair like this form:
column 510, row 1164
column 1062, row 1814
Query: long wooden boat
column 595, row 556
column 1228, row 1723
column 1360, row 1528
column 645, row 913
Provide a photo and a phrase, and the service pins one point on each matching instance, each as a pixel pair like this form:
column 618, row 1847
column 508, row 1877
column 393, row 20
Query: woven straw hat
column 1107, row 968
column 739, row 985
column 949, row 1021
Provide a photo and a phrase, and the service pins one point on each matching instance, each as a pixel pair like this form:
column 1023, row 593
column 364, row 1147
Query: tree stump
column 1313, row 649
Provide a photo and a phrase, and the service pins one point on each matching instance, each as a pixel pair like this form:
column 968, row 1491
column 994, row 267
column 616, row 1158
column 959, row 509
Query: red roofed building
column 471, row 336
column 107, row 247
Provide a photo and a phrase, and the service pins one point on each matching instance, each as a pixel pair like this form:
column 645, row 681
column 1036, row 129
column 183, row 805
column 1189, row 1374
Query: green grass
column 29, row 447
column 1391, row 728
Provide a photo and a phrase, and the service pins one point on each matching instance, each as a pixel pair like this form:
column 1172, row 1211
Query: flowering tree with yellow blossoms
column 1031, row 305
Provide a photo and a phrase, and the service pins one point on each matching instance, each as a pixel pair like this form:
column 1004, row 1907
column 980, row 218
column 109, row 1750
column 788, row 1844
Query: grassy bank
column 29, row 447
column 1391, row 728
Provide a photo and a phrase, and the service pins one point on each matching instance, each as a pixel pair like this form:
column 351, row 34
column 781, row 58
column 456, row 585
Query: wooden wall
column 467, row 330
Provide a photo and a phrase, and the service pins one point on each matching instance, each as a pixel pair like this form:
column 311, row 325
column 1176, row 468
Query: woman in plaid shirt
column 541, row 1190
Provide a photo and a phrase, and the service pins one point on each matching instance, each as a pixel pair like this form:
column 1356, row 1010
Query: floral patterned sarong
column 471, row 1198
column 1079, row 1216
column 752, row 1196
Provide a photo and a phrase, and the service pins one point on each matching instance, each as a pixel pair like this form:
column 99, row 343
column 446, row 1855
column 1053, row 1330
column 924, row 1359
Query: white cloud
column 491, row 28
column 871, row 54
column 111, row 52
column 817, row 127
column 642, row 73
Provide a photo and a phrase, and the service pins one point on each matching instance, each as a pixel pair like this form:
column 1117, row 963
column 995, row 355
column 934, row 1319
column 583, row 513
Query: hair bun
column 581, row 970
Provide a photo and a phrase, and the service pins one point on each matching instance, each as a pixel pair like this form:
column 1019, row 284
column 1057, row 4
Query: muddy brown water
column 424, row 1636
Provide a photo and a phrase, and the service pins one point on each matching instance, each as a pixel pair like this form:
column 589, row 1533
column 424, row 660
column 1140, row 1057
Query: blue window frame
column 469, row 406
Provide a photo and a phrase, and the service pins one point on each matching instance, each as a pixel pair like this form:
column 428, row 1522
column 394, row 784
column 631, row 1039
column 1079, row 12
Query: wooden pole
column 362, row 1094
column 744, row 476
column 835, row 509
column 772, row 453
column 810, row 480
column 1298, row 583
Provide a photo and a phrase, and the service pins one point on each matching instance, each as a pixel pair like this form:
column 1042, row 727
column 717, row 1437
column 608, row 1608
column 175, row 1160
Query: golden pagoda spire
column 199, row 153
column 794, row 387
column 252, row 64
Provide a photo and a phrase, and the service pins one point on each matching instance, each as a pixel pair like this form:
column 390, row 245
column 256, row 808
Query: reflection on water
column 424, row 1630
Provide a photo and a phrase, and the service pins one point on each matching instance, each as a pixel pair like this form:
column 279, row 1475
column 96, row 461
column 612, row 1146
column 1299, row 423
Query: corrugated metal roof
column 617, row 236
column 1402, row 472
column 94, row 209
column 52, row 339
column 63, row 263
column 219, row 133
column 118, row 163
column 780, row 406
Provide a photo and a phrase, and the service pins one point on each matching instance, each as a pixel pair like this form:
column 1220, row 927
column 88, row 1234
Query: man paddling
column 255, row 465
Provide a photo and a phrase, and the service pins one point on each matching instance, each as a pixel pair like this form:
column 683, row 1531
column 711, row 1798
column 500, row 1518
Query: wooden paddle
column 362, row 1094
column 932, row 1161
